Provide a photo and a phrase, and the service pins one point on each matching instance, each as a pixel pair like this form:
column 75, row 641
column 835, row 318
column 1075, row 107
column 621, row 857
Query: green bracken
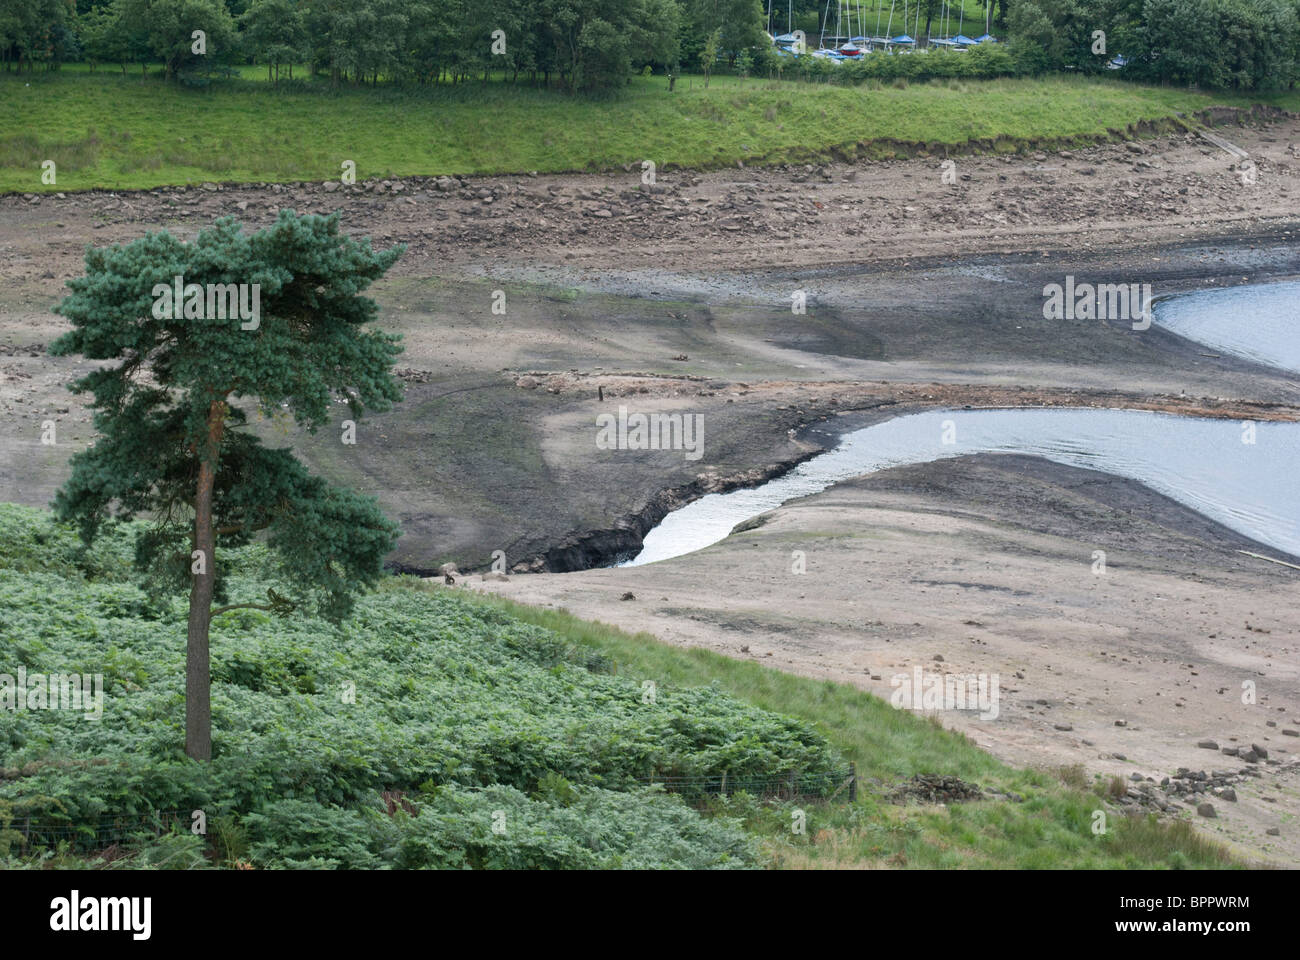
column 515, row 736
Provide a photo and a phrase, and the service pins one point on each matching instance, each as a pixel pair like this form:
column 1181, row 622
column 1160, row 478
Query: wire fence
column 94, row 835
column 25, row 834
column 824, row 785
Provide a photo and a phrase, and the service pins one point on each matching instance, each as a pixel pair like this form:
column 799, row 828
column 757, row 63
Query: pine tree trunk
column 198, row 679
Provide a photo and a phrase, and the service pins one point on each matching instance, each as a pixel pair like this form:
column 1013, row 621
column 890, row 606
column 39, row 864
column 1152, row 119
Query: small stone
column 1207, row 745
column 938, row 658
column 1259, row 751
column 1206, row 810
column 1063, row 726
column 628, row 596
column 1274, row 831
column 1121, row 723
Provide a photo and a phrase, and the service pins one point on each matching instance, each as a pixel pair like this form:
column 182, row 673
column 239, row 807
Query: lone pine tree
column 175, row 444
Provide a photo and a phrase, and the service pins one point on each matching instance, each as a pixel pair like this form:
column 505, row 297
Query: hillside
column 503, row 736
column 109, row 132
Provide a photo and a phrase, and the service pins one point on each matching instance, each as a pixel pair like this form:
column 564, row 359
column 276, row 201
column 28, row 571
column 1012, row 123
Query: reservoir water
column 1259, row 322
column 1203, row 464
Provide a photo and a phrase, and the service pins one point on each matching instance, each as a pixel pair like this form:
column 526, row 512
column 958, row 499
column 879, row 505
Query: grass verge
column 104, row 130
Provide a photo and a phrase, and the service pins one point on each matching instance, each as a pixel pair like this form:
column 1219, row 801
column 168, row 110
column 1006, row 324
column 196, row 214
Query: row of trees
column 595, row 44
column 578, row 44
column 1244, row 44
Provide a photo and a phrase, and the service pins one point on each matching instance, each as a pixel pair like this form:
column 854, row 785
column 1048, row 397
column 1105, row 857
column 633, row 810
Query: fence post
column 853, row 782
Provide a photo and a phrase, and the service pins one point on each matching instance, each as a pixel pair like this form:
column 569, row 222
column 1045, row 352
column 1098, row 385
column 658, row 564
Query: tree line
column 600, row 44
column 1239, row 44
column 574, row 44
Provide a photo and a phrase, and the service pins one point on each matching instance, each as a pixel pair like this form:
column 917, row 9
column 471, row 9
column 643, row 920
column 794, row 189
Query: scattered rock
column 1206, row 810
column 933, row 788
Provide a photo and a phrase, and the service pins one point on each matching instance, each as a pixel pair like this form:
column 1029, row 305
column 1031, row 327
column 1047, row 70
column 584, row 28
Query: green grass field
column 104, row 130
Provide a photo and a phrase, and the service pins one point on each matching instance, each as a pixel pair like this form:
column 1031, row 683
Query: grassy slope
column 1050, row 829
column 104, row 130
column 462, row 689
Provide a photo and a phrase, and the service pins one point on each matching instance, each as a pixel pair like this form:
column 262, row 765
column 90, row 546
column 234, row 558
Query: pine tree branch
column 242, row 606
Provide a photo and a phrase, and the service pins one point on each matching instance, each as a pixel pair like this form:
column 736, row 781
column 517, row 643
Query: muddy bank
column 804, row 215
column 826, row 413
column 493, row 447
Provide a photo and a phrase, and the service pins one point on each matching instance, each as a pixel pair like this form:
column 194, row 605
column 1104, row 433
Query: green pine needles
column 200, row 333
